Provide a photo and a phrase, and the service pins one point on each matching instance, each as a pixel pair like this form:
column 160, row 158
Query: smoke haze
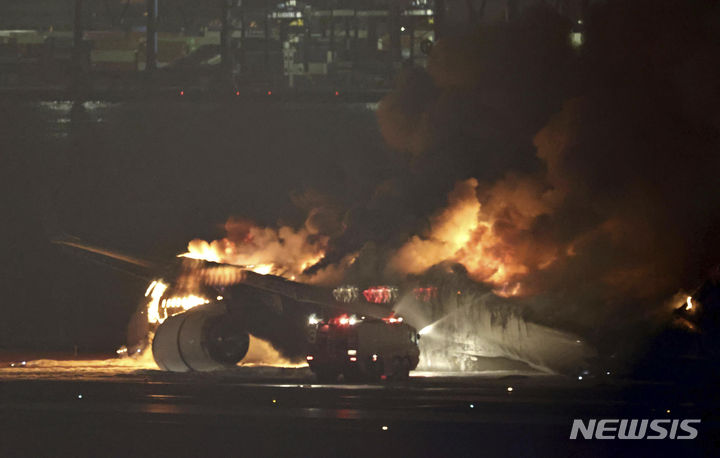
column 583, row 181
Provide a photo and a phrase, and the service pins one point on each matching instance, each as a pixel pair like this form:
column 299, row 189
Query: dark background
column 145, row 178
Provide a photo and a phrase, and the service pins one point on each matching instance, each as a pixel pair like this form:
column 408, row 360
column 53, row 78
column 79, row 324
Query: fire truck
column 362, row 349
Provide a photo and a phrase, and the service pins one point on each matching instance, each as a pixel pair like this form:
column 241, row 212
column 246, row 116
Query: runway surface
column 112, row 408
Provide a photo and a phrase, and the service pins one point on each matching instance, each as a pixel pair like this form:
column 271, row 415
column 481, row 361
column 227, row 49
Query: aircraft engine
column 205, row 338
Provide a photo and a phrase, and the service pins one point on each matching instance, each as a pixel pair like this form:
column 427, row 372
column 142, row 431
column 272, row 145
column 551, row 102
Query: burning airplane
column 200, row 311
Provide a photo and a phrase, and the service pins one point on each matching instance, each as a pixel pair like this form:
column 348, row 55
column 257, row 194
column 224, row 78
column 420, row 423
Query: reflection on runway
column 91, row 406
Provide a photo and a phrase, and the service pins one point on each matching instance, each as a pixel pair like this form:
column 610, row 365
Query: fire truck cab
column 363, row 349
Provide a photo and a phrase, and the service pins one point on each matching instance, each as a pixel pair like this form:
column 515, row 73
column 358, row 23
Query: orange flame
column 159, row 307
column 285, row 251
column 489, row 236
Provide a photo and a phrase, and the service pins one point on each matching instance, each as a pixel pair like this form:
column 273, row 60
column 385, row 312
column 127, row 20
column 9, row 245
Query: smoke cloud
column 582, row 182
column 615, row 210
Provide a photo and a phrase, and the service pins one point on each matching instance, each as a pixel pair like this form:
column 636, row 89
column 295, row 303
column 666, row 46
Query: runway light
column 79, row 396
column 237, row 92
column 384, row 428
column 182, row 92
column 352, row 352
column 607, row 373
column 274, row 401
column 402, row 29
column 509, row 389
column 472, row 406
column 337, row 93
column 579, row 377
column 667, row 411
column 269, row 92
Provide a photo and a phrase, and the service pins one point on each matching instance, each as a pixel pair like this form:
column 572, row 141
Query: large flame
column 285, row 251
column 155, row 291
column 159, row 308
column 488, row 236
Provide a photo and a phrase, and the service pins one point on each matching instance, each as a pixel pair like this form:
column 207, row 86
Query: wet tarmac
column 265, row 411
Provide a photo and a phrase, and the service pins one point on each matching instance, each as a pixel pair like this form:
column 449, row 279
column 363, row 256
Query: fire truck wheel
column 352, row 374
column 400, row 368
column 326, row 375
column 376, row 372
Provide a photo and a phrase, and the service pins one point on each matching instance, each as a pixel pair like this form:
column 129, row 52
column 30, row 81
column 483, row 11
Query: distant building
column 343, row 43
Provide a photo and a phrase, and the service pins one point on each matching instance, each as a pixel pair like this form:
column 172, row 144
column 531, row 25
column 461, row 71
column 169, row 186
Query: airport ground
column 96, row 408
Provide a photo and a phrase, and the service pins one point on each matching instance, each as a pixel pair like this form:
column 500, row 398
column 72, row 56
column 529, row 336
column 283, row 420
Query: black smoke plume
column 618, row 139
